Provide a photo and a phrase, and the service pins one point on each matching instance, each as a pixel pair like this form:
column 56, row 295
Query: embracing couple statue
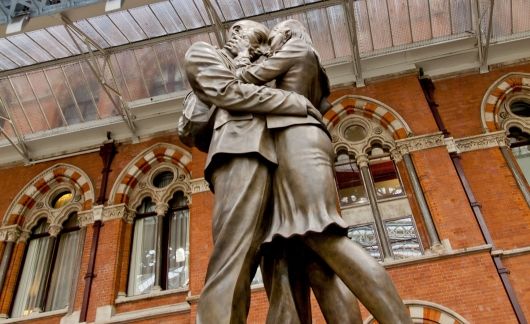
column 270, row 165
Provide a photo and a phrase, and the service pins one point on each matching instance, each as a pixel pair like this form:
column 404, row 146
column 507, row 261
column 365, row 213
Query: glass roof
column 146, row 45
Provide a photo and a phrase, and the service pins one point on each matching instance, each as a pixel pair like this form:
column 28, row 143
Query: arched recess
column 132, row 185
column 33, row 202
column 494, row 111
column 369, row 108
column 427, row 312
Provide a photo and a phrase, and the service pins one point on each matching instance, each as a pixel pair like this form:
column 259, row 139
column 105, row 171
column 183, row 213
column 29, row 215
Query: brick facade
column 462, row 279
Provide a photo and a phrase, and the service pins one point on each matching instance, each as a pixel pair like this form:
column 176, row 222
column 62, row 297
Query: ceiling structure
column 73, row 70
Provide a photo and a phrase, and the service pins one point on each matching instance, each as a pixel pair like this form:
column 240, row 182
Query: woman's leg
column 365, row 277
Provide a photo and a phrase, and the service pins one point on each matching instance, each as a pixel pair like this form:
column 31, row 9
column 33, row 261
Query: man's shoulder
column 201, row 49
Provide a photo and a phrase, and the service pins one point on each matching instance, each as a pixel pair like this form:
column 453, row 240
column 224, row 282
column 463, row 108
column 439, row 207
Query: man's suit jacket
column 240, row 109
column 295, row 67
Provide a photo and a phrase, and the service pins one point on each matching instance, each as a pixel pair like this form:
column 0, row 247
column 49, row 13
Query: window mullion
column 362, row 162
column 161, row 210
column 164, row 252
column 51, row 252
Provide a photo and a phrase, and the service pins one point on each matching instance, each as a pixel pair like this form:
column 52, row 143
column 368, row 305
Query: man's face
column 244, row 37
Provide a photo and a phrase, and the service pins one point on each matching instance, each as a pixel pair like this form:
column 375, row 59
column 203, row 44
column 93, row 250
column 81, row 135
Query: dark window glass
column 386, row 179
column 350, row 184
column 163, row 179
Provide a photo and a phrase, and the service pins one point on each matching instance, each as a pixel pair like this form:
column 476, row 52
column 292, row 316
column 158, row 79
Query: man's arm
column 215, row 84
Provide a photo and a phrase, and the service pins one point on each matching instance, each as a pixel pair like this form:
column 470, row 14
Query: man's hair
column 262, row 32
column 297, row 30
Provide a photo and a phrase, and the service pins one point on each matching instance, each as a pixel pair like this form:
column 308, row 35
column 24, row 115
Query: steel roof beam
column 484, row 63
column 42, row 15
column 19, row 145
column 219, row 28
column 99, row 72
column 179, row 35
column 349, row 11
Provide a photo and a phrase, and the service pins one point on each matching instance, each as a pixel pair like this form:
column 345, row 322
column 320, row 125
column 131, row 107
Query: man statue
column 239, row 168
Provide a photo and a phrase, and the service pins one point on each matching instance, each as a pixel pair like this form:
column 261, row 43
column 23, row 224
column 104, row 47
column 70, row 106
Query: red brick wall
column 467, row 284
column 459, row 99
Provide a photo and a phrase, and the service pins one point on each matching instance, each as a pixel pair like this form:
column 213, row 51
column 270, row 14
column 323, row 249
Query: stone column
column 9, row 235
column 434, row 239
column 161, row 210
column 384, row 242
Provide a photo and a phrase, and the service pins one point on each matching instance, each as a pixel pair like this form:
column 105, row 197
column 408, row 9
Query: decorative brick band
column 427, row 312
column 369, row 108
column 480, row 142
column 47, row 180
column 496, row 94
column 158, row 153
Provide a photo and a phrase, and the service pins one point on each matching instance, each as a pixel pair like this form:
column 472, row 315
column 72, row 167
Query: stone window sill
column 34, row 316
column 153, row 294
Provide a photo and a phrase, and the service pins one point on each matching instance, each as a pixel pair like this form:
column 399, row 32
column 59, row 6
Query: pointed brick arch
column 495, row 96
column 370, row 108
column 427, row 312
column 158, row 153
column 43, row 183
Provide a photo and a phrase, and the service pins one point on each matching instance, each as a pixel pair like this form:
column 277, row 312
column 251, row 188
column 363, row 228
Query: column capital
column 362, row 160
column 10, row 233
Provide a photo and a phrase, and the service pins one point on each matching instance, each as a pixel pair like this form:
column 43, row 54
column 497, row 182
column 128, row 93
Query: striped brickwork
column 369, row 108
column 497, row 93
column 47, row 180
column 129, row 178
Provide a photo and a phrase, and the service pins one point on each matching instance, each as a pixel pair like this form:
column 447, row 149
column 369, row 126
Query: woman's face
column 277, row 37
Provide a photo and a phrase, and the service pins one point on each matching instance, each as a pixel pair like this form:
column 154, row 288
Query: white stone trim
column 34, row 316
column 125, row 299
column 447, row 253
column 512, row 252
column 421, row 142
column 482, row 141
column 106, row 314
column 199, row 185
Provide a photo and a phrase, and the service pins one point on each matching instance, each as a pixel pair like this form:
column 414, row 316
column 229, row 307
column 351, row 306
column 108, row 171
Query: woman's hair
column 296, row 28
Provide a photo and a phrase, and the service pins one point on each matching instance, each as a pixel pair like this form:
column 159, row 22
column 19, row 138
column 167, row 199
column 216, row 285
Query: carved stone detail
column 395, row 155
column 161, row 209
column 199, row 185
column 85, row 218
column 54, row 230
column 24, row 236
column 483, row 141
column 117, row 212
column 10, row 233
column 422, row 142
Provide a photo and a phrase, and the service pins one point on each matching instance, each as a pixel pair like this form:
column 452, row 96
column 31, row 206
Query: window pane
column 522, row 154
column 350, row 185
column 178, row 250
column 36, row 268
column 143, row 256
column 63, row 271
column 403, row 237
column 386, row 180
column 258, row 278
column 365, row 236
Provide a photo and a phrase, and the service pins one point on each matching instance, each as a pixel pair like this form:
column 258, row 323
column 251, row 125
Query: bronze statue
column 265, row 138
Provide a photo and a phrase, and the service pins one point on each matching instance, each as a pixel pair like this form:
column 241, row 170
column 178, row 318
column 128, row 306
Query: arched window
column 371, row 193
column 48, row 274
column 390, row 201
column 159, row 257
